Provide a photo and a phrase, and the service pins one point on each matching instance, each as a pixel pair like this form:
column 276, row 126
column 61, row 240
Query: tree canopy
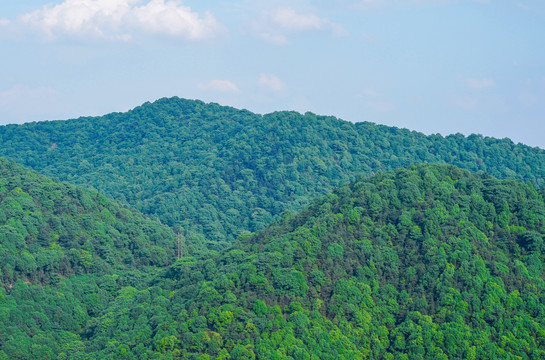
column 428, row 262
column 220, row 172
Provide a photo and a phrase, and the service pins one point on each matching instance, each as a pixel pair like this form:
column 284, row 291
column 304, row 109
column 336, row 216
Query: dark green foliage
column 50, row 229
column 427, row 262
column 219, row 171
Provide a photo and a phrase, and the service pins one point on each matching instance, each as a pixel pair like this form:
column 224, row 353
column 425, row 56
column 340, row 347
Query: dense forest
column 218, row 172
column 51, row 229
column 426, row 262
column 302, row 237
column 63, row 250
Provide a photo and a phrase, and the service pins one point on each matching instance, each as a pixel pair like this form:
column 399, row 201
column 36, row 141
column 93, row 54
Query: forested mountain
column 50, row 229
column 63, row 252
column 220, row 171
column 426, row 263
column 429, row 262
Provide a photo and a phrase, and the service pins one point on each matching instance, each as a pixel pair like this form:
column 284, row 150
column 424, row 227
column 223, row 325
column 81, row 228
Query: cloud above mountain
column 220, row 85
column 271, row 82
column 479, row 83
column 119, row 20
column 274, row 25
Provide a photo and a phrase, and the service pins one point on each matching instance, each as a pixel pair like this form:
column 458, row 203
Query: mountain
column 220, row 171
column 429, row 262
column 50, row 229
column 63, row 252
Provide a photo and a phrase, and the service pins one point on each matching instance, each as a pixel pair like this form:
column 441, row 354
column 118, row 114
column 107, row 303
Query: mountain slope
column 431, row 262
column 220, row 171
column 50, row 229
column 64, row 251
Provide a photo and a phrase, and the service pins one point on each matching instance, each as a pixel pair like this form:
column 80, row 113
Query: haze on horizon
column 436, row 66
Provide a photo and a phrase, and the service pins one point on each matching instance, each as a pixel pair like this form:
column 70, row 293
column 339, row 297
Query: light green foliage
column 361, row 287
column 75, row 232
column 60, row 249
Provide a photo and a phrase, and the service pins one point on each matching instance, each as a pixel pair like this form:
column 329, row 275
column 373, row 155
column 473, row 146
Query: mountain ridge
column 219, row 171
column 64, row 253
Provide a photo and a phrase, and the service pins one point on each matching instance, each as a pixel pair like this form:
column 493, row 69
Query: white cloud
column 277, row 39
column 289, row 19
column 479, row 83
column 275, row 25
column 380, row 4
column 369, row 92
column 369, row 4
column 120, row 19
column 224, row 86
column 374, row 100
column 174, row 19
column 270, row 81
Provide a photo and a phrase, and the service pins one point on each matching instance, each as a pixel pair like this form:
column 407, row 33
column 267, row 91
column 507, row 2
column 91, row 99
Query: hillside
column 430, row 262
column 426, row 263
column 49, row 229
column 63, row 252
column 220, row 171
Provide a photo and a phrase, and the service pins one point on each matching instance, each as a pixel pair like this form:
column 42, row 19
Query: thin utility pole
column 180, row 241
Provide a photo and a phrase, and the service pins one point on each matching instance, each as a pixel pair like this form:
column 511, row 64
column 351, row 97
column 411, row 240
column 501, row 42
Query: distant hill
column 220, row 171
column 429, row 262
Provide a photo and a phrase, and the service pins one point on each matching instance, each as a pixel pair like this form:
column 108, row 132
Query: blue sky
column 436, row 66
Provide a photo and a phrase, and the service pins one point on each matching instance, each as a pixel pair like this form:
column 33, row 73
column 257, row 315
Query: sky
column 435, row 66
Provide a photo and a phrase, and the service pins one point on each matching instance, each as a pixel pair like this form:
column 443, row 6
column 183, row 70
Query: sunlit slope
column 432, row 262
